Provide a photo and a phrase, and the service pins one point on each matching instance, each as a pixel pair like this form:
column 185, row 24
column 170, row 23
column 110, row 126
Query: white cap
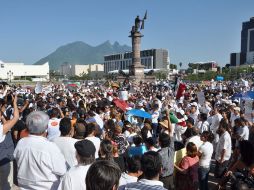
column 194, row 104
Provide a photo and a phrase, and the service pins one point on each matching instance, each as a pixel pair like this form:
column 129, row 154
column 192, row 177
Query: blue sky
column 192, row 30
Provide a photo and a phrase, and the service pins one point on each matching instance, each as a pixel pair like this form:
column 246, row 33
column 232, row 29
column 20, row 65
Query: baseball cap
column 194, row 104
column 85, row 148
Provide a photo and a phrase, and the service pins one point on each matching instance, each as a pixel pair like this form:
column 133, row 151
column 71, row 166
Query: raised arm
column 10, row 123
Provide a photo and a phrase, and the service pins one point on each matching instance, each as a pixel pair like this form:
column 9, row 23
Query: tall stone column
column 136, row 70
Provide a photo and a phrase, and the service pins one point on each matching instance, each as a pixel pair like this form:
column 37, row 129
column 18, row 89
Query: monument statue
column 136, row 69
column 137, row 23
column 137, row 27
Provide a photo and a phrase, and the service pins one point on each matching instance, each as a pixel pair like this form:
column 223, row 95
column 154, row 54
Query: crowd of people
column 87, row 138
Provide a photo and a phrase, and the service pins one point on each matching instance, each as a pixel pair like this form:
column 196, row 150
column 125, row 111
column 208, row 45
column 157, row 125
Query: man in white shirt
column 223, row 151
column 53, row 125
column 205, row 154
column 151, row 164
column 90, row 132
column 203, row 124
column 133, row 171
column 66, row 143
column 234, row 115
column 243, row 130
column 40, row 163
column 215, row 125
column 75, row 178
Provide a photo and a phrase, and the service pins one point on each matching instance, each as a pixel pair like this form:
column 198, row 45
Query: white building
column 10, row 71
column 95, row 70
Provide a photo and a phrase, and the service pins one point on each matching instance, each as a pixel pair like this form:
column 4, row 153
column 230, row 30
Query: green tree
column 172, row 66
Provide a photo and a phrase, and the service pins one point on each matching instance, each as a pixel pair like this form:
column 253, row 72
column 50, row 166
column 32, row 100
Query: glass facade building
column 151, row 59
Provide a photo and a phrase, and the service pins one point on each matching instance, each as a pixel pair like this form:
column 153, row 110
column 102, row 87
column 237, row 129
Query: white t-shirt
column 125, row 179
column 244, row 133
column 215, row 122
column 2, row 136
column 196, row 140
column 207, row 151
column 96, row 141
column 66, row 145
column 224, row 143
column 203, row 126
column 53, row 129
column 75, row 178
column 98, row 120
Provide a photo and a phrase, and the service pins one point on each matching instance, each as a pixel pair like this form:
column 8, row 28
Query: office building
column 246, row 56
column 151, row 59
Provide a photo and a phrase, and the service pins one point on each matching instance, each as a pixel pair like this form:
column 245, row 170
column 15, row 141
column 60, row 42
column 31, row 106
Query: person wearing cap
column 75, row 178
column 167, row 154
column 40, row 163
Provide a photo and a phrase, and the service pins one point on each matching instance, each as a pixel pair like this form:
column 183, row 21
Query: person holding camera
column 7, row 146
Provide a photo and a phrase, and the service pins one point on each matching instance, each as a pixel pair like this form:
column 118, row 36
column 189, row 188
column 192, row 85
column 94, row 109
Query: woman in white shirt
column 205, row 154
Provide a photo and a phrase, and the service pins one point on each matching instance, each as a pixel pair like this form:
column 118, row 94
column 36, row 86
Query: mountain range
column 81, row 53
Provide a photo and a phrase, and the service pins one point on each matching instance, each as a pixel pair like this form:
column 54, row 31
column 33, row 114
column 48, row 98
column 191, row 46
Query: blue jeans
column 203, row 174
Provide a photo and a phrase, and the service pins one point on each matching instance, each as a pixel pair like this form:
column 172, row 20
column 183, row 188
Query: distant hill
column 80, row 53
